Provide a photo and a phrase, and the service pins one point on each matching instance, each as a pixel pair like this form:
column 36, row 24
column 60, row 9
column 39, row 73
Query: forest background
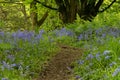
column 31, row 31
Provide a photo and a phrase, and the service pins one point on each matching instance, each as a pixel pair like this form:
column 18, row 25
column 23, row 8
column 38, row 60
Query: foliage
column 101, row 61
column 23, row 54
column 19, row 17
column 101, row 58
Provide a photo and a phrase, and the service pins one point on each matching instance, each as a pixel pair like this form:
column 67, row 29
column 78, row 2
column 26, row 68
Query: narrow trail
column 59, row 67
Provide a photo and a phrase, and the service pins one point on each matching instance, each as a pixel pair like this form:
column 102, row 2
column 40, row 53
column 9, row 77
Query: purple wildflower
column 103, row 35
column 98, row 56
column 41, row 31
column 106, row 52
column 4, row 79
column 5, row 65
column 107, row 57
column 77, row 77
column 81, row 62
column 39, row 36
column 113, row 63
column 15, row 66
column 90, row 56
column 117, row 70
column 11, row 57
column 1, row 33
column 80, row 37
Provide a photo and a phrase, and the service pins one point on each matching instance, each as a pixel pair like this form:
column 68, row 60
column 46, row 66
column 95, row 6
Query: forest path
column 59, row 67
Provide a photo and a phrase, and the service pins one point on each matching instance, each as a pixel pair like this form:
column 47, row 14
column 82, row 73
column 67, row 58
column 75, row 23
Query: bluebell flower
column 80, row 37
column 107, row 57
column 5, row 65
column 113, row 63
column 15, row 66
column 30, row 35
column 117, row 70
column 4, row 79
column 20, row 34
column 98, row 31
column 41, row 31
column 81, row 62
column 63, row 32
column 106, row 52
column 98, row 56
column 2, row 33
column 103, row 35
column 39, row 36
column 11, row 57
column 100, row 41
column 77, row 77
column 90, row 56
column 113, row 34
column 70, row 33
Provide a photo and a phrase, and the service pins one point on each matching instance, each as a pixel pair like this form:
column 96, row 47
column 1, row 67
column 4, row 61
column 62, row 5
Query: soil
column 59, row 67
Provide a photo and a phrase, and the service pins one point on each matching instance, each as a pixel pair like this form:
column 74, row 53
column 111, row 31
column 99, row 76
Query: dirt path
column 59, row 67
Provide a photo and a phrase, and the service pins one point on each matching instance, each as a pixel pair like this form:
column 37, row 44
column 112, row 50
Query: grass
column 101, row 59
column 23, row 53
column 100, row 62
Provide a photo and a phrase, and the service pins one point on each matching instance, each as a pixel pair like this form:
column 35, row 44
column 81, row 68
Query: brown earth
column 59, row 67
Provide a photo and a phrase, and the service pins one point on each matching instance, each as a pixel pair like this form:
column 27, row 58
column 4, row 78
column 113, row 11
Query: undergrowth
column 23, row 53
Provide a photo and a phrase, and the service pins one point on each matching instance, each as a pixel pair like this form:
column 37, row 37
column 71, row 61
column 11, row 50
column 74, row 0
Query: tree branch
column 41, row 21
column 98, row 5
column 46, row 5
column 11, row 2
column 107, row 7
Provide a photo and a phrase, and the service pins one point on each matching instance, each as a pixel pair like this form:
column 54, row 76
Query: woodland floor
column 59, row 67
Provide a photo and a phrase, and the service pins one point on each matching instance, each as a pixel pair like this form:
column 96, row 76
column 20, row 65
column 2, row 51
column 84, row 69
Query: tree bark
column 34, row 16
column 33, row 13
column 67, row 10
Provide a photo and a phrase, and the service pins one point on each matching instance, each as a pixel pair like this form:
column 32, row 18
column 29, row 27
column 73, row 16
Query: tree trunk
column 87, row 10
column 34, row 16
column 67, row 10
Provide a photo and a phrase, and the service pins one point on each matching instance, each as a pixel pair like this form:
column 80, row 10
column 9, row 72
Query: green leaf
column 5, row 46
column 27, row 1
